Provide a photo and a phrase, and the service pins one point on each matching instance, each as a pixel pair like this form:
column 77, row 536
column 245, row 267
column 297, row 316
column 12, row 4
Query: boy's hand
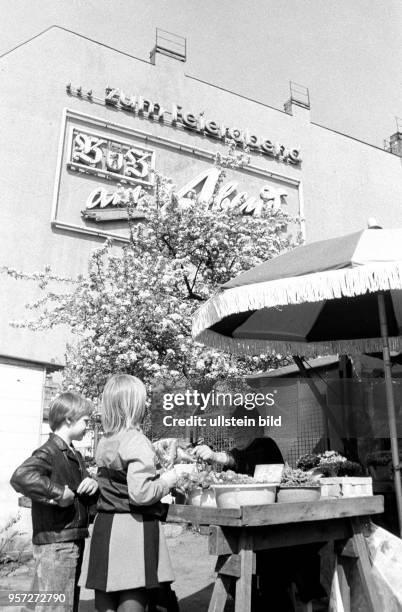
column 88, row 486
column 67, row 499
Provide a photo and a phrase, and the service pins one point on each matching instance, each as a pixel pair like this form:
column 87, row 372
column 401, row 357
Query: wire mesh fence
column 351, row 418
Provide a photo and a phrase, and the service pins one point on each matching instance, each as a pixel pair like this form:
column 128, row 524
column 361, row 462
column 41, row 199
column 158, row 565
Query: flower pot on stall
column 194, row 496
column 298, row 486
column 205, row 498
column 289, row 493
column 208, row 498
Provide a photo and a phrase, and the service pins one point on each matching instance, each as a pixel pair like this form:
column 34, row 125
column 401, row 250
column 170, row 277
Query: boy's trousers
column 57, row 570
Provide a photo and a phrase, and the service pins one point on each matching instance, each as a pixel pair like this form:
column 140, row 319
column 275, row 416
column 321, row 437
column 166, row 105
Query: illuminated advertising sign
column 179, row 116
column 103, row 165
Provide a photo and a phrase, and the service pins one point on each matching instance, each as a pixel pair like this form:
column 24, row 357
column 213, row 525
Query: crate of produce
column 346, row 486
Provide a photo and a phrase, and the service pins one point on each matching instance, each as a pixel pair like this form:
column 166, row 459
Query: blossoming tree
column 132, row 311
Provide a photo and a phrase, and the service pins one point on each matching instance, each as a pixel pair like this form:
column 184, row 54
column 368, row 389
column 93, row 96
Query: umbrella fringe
column 240, row 346
column 317, row 287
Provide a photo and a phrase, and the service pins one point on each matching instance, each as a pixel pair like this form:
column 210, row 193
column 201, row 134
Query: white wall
column 344, row 181
column 21, row 392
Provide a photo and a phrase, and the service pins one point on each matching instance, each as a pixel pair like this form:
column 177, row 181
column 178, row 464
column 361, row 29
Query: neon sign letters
column 111, row 159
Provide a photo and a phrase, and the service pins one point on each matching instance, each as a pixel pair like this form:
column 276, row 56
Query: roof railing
column 170, row 44
column 299, row 94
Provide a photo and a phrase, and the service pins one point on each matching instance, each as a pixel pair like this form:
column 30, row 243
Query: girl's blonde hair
column 123, row 403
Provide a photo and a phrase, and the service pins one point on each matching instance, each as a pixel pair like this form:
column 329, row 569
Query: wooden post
column 344, row 588
column 355, row 551
column 243, row 584
column 219, row 594
column 390, row 407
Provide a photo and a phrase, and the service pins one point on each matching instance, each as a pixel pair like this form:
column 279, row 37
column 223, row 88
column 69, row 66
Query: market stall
column 237, row 534
column 337, row 296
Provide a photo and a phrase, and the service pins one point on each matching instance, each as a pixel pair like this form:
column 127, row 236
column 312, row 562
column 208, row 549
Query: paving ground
column 194, row 570
column 193, row 566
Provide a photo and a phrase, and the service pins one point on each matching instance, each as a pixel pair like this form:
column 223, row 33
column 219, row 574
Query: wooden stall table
column 235, row 535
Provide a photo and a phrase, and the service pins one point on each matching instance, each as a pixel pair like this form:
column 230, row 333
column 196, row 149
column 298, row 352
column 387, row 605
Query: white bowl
column 234, row 496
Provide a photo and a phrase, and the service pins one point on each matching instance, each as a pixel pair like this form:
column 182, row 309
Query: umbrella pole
column 390, row 406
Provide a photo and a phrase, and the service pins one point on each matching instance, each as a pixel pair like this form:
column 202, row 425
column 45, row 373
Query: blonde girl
column 128, row 553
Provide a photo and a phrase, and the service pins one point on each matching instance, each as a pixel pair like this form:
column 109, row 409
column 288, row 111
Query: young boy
column 56, row 480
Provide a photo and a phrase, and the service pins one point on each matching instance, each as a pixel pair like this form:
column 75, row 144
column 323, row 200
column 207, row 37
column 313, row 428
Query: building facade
column 80, row 118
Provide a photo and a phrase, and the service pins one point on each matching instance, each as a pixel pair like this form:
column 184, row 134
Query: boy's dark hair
column 68, row 405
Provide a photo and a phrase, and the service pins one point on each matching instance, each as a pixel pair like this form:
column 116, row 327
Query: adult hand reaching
column 205, row 453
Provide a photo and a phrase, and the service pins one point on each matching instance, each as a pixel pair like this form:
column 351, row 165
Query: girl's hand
column 184, row 456
column 170, row 477
column 166, row 450
column 88, row 486
column 171, row 451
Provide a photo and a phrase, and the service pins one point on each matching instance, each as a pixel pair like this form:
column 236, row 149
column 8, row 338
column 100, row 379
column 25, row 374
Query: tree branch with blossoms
column 132, row 310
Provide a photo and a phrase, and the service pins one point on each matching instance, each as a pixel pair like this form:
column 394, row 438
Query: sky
column 347, row 52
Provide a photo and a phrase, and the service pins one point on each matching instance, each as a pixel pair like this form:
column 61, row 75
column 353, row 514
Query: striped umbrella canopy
column 320, row 298
column 342, row 295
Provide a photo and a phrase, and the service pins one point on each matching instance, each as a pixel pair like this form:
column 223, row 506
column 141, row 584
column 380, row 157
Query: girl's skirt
column 126, row 551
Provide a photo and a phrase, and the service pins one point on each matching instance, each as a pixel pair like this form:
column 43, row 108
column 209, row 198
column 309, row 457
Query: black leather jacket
column 42, row 478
